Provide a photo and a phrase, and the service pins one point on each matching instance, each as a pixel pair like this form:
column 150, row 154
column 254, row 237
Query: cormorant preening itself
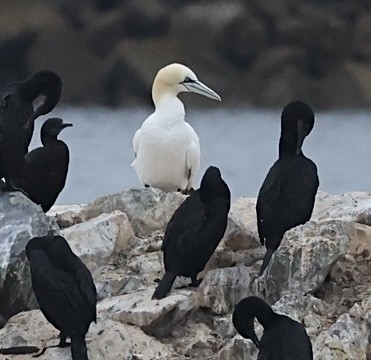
column 286, row 198
column 45, row 168
column 64, row 289
column 167, row 149
column 17, row 117
column 194, row 231
column 283, row 337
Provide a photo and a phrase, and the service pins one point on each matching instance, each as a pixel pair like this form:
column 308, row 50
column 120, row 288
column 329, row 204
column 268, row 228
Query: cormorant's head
column 213, row 186
column 297, row 121
column 52, row 127
column 39, row 243
column 245, row 312
column 43, row 89
column 175, row 78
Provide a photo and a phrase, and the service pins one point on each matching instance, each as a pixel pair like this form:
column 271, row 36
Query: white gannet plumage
column 166, row 147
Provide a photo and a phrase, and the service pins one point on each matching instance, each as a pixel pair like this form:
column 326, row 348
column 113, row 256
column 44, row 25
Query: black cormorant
column 194, row 231
column 64, row 289
column 45, row 168
column 17, row 117
column 286, row 198
column 283, row 337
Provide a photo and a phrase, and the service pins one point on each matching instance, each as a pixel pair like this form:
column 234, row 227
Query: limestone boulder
column 106, row 340
column 347, row 338
column 304, row 258
column 96, row 240
column 242, row 231
column 155, row 317
column 112, row 281
column 306, row 309
column 148, row 209
column 221, row 289
column 345, row 207
column 238, row 348
column 67, row 215
column 20, row 220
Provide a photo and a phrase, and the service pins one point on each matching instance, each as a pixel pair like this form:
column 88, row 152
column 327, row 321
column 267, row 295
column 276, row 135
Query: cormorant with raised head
column 194, row 231
column 17, row 117
column 166, row 147
column 283, row 337
column 286, row 198
column 45, row 168
column 64, row 289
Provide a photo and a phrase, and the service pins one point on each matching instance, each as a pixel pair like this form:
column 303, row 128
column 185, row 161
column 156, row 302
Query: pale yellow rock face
column 106, row 340
column 96, row 240
column 320, row 276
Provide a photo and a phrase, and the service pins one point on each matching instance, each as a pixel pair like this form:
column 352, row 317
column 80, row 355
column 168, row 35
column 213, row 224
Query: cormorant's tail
column 78, row 349
column 164, row 286
column 266, row 260
column 19, row 350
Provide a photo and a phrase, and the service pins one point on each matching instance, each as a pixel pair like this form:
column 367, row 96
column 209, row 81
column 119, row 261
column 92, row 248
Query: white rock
column 242, row 232
column 20, row 220
column 148, row 209
column 221, row 289
column 67, row 215
column 106, row 340
column 304, row 258
column 343, row 207
column 238, row 348
column 346, row 339
column 96, row 240
column 155, row 317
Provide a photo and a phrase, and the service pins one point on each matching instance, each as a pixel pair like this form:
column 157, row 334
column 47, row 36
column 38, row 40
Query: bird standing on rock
column 194, row 231
column 17, row 115
column 64, row 289
column 286, row 198
column 167, row 149
column 45, row 168
column 283, row 337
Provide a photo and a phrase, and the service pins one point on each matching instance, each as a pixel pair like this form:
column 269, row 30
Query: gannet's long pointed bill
column 198, row 87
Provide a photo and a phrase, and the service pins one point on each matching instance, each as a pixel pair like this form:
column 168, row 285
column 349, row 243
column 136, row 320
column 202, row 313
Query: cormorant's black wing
column 184, row 223
column 286, row 197
column 86, row 285
column 59, row 295
column 287, row 339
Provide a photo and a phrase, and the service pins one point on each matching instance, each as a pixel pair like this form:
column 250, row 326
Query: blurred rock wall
column 252, row 52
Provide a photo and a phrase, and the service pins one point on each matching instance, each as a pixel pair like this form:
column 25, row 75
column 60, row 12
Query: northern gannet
column 286, row 198
column 167, row 149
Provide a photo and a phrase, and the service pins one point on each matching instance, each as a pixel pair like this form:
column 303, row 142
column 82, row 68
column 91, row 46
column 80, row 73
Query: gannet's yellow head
column 175, row 78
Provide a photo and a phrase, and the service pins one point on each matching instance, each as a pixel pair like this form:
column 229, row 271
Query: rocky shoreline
column 255, row 53
column 320, row 275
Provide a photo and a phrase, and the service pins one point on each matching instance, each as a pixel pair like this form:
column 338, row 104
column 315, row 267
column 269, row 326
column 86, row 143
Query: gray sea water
column 243, row 143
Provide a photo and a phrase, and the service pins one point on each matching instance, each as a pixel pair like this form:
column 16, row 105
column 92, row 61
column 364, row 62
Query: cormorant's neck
column 266, row 317
column 48, row 139
column 288, row 145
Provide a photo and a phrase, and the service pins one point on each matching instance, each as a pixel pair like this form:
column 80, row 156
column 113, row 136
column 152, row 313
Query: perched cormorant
column 64, row 289
column 167, row 149
column 17, row 117
column 283, row 337
column 45, row 168
column 286, row 198
column 194, row 231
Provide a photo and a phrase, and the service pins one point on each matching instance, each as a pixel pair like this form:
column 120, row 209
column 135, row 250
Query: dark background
column 261, row 53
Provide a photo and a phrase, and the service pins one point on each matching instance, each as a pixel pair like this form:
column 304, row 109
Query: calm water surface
column 242, row 142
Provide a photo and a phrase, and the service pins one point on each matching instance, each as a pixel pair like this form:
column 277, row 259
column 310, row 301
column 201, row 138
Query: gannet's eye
column 188, row 80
